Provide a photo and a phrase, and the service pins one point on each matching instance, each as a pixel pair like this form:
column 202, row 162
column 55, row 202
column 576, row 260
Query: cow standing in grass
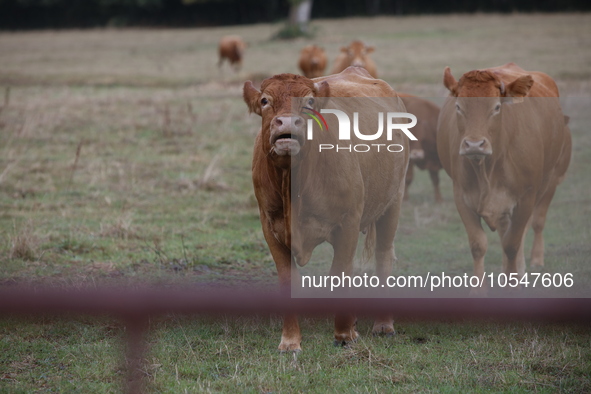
column 312, row 61
column 423, row 151
column 504, row 141
column 339, row 195
column 356, row 55
column 231, row 48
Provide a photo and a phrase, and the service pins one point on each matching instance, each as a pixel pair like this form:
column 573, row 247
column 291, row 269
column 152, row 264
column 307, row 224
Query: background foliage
column 27, row 14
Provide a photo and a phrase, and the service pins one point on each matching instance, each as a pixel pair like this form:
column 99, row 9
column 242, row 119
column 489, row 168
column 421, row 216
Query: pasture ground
column 125, row 160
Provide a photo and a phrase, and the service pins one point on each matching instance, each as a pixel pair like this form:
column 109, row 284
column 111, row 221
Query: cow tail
column 370, row 244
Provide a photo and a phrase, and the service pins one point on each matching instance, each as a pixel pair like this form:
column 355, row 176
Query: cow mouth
column 287, row 144
column 475, row 156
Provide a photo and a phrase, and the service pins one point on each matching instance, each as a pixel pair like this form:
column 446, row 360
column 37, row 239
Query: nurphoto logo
column 344, row 132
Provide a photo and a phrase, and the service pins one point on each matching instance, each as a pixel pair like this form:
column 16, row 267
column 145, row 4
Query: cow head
column 283, row 127
column 316, row 55
column 480, row 98
column 357, row 53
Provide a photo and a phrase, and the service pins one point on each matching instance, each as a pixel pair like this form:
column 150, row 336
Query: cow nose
column 417, row 154
column 474, row 145
column 478, row 148
column 358, row 63
column 288, row 123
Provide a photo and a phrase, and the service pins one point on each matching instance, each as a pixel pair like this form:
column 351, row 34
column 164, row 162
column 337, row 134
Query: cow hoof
column 382, row 333
column 383, row 330
column 340, row 343
column 289, row 347
column 345, row 339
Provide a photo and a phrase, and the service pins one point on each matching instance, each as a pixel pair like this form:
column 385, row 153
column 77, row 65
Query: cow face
column 283, row 128
column 480, row 98
column 357, row 53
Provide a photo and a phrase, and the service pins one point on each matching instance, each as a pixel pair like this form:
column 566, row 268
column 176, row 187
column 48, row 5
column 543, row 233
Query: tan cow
column 312, row 61
column 356, row 55
column 365, row 195
column 423, row 151
column 231, row 48
column 503, row 139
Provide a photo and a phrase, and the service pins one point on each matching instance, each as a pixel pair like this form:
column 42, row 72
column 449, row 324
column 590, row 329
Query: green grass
column 125, row 159
column 226, row 354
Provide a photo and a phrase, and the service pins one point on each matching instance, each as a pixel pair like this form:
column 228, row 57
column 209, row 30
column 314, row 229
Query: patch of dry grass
column 24, row 243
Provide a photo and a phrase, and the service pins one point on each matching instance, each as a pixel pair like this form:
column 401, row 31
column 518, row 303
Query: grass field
column 125, row 160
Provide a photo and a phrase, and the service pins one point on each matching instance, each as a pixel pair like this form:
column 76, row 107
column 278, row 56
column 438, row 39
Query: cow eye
column 498, row 107
column 264, row 101
column 311, row 102
column 458, row 108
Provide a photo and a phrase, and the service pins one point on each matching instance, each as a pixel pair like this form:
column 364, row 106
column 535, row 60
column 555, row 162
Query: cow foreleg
column 344, row 241
column 477, row 240
column 512, row 240
column 291, row 336
column 385, row 257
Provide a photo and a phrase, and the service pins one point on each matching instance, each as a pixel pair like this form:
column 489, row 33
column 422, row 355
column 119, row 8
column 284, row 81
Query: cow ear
column 450, row 82
column 322, row 92
column 252, row 98
column 370, row 49
column 520, row 87
column 344, row 49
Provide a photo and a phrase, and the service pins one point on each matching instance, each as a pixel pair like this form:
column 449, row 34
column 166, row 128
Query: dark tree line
column 31, row 14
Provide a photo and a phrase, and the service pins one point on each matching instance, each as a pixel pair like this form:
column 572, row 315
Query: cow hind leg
column 434, row 174
column 538, row 223
column 408, row 179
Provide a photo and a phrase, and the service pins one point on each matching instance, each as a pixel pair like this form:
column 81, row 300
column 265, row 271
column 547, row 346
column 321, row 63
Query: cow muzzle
column 475, row 150
column 287, row 135
column 417, row 154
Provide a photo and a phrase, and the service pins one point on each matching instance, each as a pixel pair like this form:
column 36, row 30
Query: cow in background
column 423, row 151
column 506, row 145
column 231, row 48
column 356, row 55
column 342, row 194
column 312, row 61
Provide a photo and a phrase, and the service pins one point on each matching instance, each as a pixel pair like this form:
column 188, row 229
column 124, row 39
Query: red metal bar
column 208, row 301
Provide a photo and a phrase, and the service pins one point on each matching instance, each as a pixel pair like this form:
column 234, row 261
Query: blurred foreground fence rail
column 135, row 307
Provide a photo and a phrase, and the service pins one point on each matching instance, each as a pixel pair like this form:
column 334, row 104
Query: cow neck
column 484, row 170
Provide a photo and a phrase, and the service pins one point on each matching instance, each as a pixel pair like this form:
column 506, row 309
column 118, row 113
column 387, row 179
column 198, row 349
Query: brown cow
column 231, row 48
column 356, row 55
column 423, row 151
column 503, row 139
column 366, row 195
column 312, row 61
